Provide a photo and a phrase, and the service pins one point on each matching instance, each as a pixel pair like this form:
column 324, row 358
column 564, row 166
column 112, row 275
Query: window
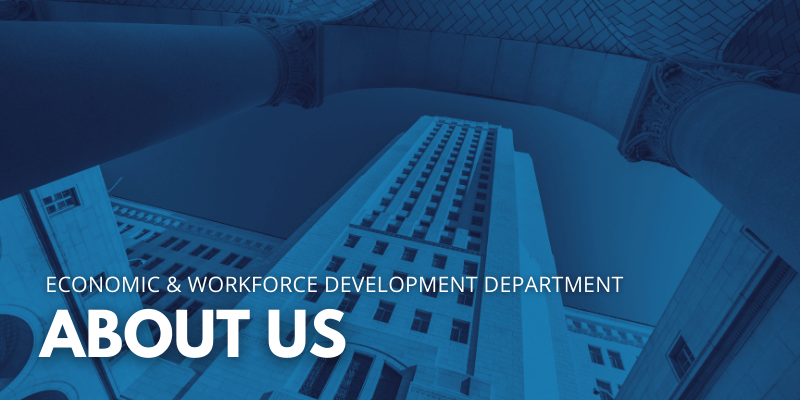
column 180, row 245
column 482, row 185
column 169, row 242
column 460, row 331
column 477, row 221
column 141, row 234
column 422, row 320
column 171, row 270
column 152, row 264
column 474, row 246
column 61, row 201
column 351, row 241
column 408, row 206
column 380, row 247
column 128, row 251
column 474, row 234
column 446, row 240
column 152, row 237
column 126, row 228
column 242, row 262
column 153, row 298
column 466, row 297
column 211, row 253
column 354, row 377
column 398, row 284
column 430, row 290
column 480, row 195
column 470, row 268
column 485, row 176
column 479, row 207
column 458, row 203
column 181, row 300
column 193, row 307
column 681, row 358
column 199, row 250
column 616, row 359
column 418, row 234
column 453, row 216
column 314, row 296
column 185, row 273
column 596, row 354
column 229, row 259
column 439, row 261
column 348, row 302
column 605, row 390
column 365, row 271
column 430, row 211
column 384, row 311
column 335, row 263
column 215, row 285
column 385, row 201
column 388, row 384
column 318, row 377
column 141, row 260
column 409, row 254
column 485, row 168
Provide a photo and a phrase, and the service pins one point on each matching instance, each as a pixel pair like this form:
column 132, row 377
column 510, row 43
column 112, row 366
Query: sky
column 268, row 169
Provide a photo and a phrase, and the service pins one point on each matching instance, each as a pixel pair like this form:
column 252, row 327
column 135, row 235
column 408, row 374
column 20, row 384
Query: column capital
column 667, row 86
column 298, row 44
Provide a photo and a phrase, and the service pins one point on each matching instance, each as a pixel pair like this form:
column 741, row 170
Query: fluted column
column 75, row 95
column 729, row 129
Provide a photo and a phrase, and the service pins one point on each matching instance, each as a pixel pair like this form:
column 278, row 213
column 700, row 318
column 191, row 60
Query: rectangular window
column 430, row 290
column 126, row 228
column 318, row 377
column 470, row 268
column 229, row 259
column 242, row 262
column 460, row 331
column 474, row 246
column 384, row 311
column 477, row 221
column 354, row 377
column 141, row 234
column 397, row 284
column 152, row 237
column 351, row 241
column 169, row 242
column 181, row 300
column 199, row 250
column 61, row 201
column 380, row 247
column 446, row 240
column 453, row 216
column 419, row 234
column 334, row 264
column 365, row 271
column 193, row 307
column 172, row 270
column 409, row 254
column 466, row 297
column 153, row 298
column 422, row 320
column 128, row 251
column 348, row 302
column 180, row 245
column 681, row 358
column 314, row 296
column 139, row 261
column 152, row 264
column 596, row 354
column 408, row 206
column 605, row 390
column 616, row 359
column 479, row 207
column 480, row 195
column 185, row 273
column 430, row 211
column 211, row 253
column 385, row 201
column 439, row 261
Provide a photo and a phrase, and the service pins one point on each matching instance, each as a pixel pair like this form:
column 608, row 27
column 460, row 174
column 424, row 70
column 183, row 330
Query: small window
column 152, row 237
column 409, row 254
column 475, row 234
column 365, row 271
column 169, row 242
column 470, row 268
column 172, row 270
column 335, row 263
column 479, row 207
column 348, row 302
column 229, row 259
column 466, row 297
column 439, row 261
column 408, row 206
column 398, row 284
column 141, row 234
column 418, row 234
column 477, row 221
column 198, row 250
column 61, row 201
column 211, row 253
column 185, row 273
column 485, row 176
column 153, row 298
column 604, row 389
column 474, row 246
column 422, row 320
column 446, row 240
column 596, row 355
column 126, row 228
column 193, row 307
column 453, row 216
column 480, row 195
column 180, row 245
column 431, row 290
column 681, row 358
column 314, row 296
column 152, row 264
column 485, row 168
column 139, row 261
column 181, row 300
column 242, row 262
column 384, row 311
column 430, row 211
column 482, row 185
column 616, row 359
column 128, row 251
column 458, row 203
column 380, row 247
column 351, row 241
column 460, row 331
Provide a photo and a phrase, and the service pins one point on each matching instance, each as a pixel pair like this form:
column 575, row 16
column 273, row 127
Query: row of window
column 201, row 250
column 596, row 354
column 459, row 331
column 409, row 254
column 175, row 304
column 465, row 297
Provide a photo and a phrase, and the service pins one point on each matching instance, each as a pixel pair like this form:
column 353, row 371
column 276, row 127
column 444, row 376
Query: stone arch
column 16, row 348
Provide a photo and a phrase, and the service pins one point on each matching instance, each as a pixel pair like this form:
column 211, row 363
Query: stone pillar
column 75, row 95
column 728, row 128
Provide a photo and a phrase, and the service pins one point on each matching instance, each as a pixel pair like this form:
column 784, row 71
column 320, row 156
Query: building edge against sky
column 470, row 344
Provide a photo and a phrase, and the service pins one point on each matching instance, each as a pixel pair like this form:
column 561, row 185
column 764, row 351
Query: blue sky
column 268, row 169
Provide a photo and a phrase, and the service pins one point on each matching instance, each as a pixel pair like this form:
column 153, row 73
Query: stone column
column 728, row 128
column 75, row 95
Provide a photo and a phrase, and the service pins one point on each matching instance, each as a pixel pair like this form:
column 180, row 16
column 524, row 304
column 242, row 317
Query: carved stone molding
column 667, row 86
column 15, row 10
column 298, row 44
